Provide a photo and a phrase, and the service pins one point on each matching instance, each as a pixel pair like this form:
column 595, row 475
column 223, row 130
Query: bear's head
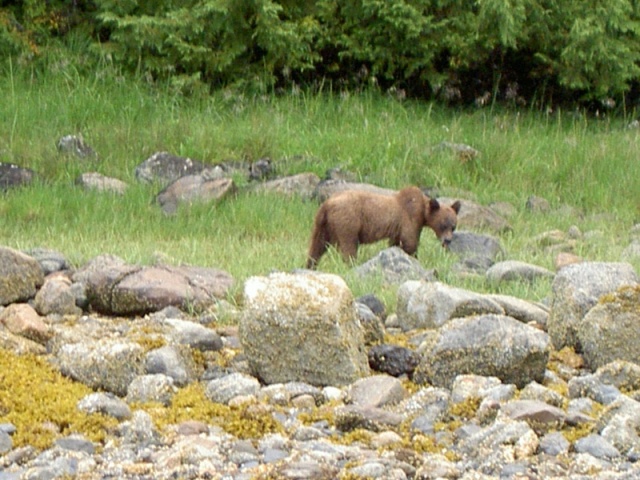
column 443, row 219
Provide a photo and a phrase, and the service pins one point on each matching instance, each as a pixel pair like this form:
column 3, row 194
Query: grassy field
column 589, row 164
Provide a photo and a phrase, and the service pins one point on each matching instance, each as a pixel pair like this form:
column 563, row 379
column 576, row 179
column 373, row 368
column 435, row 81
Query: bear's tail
column 319, row 239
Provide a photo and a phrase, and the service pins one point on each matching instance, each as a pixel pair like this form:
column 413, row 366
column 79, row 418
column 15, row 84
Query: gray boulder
column 194, row 335
column 432, row 304
column 223, row 390
column 302, row 328
column 195, row 188
column 56, row 297
column 575, row 290
column 131, row 289
column 109, row 365
column 20, row 276
column 609, row 331
column 473, row 216
column 164, row 168
column 487, row 345
column 74, row 145
column 151, row 388
column 106, row 404
column 475, row 245
column 302, row 185
column 50, row 260
column 510, row 270
column 394, row 266
column 523, row 310
column 12, row 176
column 98, row 182
column 173, row 361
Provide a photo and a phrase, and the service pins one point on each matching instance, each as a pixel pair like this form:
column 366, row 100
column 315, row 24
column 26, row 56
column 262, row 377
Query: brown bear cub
column 347, row 219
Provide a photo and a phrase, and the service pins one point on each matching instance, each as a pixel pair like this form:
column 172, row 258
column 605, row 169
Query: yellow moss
column 191, row 403
column 324, row 412
column 572, row 434
column 358, row 435
column 465, row 410
column 42, row 404
column 626, row 298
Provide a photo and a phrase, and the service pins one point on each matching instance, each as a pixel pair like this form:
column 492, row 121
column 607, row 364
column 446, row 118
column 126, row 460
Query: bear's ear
column 433, row 205
column 456, row 206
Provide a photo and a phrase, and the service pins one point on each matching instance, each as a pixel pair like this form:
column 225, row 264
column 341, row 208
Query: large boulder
column 432, row 304
column 107, row 364
column 301, row 185
column 609, row 331
column 190, row 189
column 487, row 345
column 304, row 328
column 394, row 266
column 164, row 167
column 575, row 290
column 20, row 276
column 14, row 176
column 122, row 289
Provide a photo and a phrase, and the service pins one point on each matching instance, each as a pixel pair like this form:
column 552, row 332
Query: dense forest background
column 534, row 53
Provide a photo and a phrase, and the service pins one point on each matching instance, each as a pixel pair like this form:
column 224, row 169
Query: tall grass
column 589, row 164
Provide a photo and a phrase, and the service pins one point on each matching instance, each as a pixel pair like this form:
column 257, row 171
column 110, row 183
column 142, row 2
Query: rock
column 488, row 345
column 511, row 270
column 98, row 182
column 151, row 388
column 466, row 387
column 394, row 266
column 195, row 188
column 540, row 416
column 57, row 297
column 223, row 390
column 193, row 335
column 12, row 176
column 522, row 310
column 393, row 359
column 20, row 276
column 376, row 391
column 631, row 253
column 433, row 304
column 575, row 290
column 592, row 387
column 74, row 145
column 502, row 433
column 174, row 361
column 621, row 374
column 302, row 185
column 619, row 425
column 535, row 391
column 596, row 446
column 352, row 417
column 474, row 245
column 609, row 331
column 302, row 328
column 106, row 404
column 164, row 168
column 372, row 326
column 109, row 365
column 538, row 204
column 130, row 289
column 375, row 305
column 21, row 319
column 50, row 260
column 473, row 216
column 554, row 443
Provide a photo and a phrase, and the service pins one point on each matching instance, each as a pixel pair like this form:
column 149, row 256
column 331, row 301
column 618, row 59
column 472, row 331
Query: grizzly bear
column 347, row 219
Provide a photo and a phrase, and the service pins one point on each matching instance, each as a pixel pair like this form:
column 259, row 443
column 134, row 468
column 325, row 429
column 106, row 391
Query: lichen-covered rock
column 488, row 345
column 513, row 270
column 109, row 365
column 302, row 328
column 609, row 331
column 101, row 183
column 575, row 290
column 432, row 304
column 301, row 185
column 20, row 276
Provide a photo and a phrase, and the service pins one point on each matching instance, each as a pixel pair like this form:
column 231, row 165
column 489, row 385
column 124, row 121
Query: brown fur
column 354, row 217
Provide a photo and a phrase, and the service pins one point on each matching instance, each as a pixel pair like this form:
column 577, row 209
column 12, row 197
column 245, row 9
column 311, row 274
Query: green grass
column 588, row 164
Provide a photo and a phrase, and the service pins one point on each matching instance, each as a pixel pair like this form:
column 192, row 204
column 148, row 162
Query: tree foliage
column 513, row 50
